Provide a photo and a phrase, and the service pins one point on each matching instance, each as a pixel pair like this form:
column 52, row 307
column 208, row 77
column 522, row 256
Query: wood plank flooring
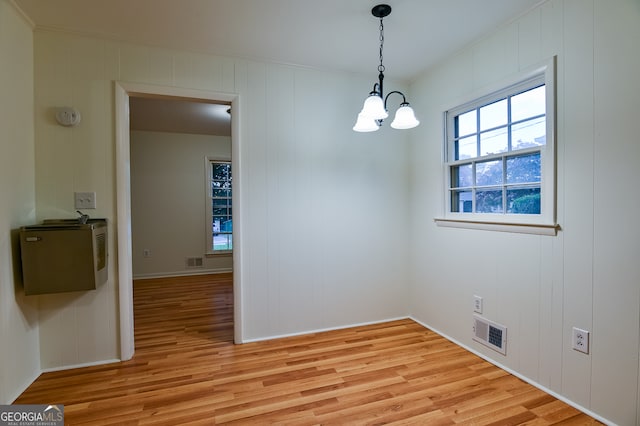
column 187, row 371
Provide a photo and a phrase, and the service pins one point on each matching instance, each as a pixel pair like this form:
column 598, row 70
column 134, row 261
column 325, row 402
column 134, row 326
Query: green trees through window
column 221, row 206
column 495, row 146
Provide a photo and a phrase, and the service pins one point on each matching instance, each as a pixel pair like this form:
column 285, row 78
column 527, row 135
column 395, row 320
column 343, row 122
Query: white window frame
column 543, row 223
column 209, row 161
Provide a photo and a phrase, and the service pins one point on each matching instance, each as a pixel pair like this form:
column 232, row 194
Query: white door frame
column 123, row 91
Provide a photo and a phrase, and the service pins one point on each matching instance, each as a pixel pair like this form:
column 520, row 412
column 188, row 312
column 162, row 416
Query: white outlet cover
column 85, row 200
column 580, row 340
column 477, row 304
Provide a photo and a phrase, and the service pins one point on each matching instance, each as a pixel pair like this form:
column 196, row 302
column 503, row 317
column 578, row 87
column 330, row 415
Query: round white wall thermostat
column 68, row 116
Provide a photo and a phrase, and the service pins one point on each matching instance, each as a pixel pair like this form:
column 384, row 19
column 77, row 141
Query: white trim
column 182, row 273
column 322, row 330
column 521, row 228
column 123, row 90
column 82, row 365
column 22, row 14
column 123, row 223
column 518, row 375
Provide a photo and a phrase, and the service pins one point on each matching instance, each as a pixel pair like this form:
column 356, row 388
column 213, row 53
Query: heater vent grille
column 490, row 334
column 194, row 262
column 101, row 250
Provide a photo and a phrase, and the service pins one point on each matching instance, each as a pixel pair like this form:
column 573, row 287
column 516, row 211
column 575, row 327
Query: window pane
column 221, row 220
column 462, row 176
column 494, row 142
column 221, row 171
column 523, row 200
column 226, row 225
column 467, row 123
column 489, row 201
column 493, row 115
column 221, row 193
column 466, row 148
column 222, row 242
column 221, row 202
column 528, row 104
column 461, row 201
column 220, row 185
column 489, row 173
column 529, row 133
column 524, row 168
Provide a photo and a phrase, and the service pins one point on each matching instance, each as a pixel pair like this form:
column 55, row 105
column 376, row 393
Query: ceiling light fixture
column 374, row 110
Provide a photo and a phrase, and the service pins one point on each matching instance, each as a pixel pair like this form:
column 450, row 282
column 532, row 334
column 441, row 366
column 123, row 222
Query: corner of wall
column 19, row 327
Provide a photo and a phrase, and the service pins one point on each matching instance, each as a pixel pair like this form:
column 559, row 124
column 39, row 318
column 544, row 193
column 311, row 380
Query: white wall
column 168, row 202
column 76, row 328
column 323, row 207
column 19, row 351
column 588, row 275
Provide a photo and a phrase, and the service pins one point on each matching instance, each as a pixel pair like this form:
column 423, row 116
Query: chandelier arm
column 377, row 90
column 404, row 100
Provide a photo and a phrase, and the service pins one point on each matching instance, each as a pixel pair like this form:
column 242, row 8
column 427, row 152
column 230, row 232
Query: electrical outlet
column 580, row 340
column 477, row 304
column 146, row 253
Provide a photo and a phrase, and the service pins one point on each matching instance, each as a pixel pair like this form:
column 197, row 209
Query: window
column 219, row 207
column 500, row 162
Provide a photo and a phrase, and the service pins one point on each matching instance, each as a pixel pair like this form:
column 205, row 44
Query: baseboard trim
column 518, row 375
column 15, row 396
column 319, row 330
column 182, row 273
column 86, row 364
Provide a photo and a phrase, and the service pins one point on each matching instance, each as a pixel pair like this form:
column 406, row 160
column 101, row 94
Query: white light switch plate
column 85, row 200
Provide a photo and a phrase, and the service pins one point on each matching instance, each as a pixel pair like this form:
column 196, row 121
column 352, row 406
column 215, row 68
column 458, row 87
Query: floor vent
column 194, row 262
column 490, row 334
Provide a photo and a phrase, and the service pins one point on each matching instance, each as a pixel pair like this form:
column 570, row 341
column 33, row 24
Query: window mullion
column 504, row 181
column 477, row 134
column 473, row 186
column 509, row 124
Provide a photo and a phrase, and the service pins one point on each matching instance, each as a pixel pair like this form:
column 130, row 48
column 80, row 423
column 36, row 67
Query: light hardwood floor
column 186, row 370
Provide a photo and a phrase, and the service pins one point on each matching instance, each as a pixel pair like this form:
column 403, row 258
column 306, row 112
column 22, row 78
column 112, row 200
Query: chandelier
column 374, row 110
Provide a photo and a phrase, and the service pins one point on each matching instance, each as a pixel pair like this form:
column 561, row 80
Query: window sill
column 521, row 228
column 218, row 253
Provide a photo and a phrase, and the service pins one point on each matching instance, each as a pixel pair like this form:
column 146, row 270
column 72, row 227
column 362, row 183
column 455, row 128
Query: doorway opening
column 127, row 97
column 180, row 203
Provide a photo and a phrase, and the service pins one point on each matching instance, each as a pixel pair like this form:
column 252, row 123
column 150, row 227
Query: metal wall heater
column 63, row 255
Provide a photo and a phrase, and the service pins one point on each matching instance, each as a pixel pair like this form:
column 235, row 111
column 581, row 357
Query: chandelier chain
column 381, row 67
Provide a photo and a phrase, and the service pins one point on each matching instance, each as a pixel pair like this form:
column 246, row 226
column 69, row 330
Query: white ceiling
column 179, row 116
column 326, row 34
